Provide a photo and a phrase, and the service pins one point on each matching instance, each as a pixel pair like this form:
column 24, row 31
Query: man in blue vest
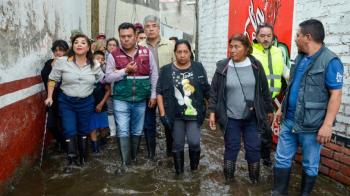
column 309, row 109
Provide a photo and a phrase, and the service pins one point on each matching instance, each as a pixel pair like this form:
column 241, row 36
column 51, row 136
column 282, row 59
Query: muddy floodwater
column 156, row 178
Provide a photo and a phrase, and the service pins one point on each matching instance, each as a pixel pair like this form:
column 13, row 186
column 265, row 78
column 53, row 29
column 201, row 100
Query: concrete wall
column 335, row 15
column 127, row 11
column 27, row 29
column 213, row 31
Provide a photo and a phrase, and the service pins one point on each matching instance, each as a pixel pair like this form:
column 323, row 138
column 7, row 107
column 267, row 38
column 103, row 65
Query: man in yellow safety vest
column 271, row 57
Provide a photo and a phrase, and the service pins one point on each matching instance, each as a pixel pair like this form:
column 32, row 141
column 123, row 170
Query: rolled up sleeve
column 56, row 72
column 113, row 75
column 153, row 75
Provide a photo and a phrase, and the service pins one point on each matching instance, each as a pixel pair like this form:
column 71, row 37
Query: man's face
column 301, row 41
column 127, row 38
column 152, row 30
column 265, row 37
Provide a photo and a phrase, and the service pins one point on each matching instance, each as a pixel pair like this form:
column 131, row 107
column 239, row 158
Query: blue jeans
column 288, row 144
column 129, row 117
column 75, row 114
column 234, row 130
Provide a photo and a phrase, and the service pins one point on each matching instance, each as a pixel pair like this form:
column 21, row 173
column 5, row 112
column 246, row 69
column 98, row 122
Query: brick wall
column 213, row 31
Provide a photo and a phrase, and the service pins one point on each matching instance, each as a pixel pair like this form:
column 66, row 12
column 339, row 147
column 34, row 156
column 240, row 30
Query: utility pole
column 110, row 18
column 94, row 18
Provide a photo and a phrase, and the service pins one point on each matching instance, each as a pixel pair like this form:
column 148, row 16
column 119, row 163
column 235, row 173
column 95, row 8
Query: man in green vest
column 271, row 57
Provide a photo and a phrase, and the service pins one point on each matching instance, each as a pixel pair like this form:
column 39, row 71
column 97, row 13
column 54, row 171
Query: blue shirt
column 333, row 80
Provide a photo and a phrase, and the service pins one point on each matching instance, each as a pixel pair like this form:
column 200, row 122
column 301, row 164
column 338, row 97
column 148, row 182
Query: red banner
column 246, row 15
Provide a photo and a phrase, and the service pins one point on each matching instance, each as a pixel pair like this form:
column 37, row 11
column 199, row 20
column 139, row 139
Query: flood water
column 156, row 178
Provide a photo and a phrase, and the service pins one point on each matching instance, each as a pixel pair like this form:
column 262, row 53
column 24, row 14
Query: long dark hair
column 89, row 55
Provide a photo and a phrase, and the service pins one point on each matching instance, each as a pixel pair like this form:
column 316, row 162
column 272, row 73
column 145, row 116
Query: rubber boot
column 95, row 147
column 179, row 162
column 229, row 170
column 307, row 184
column 151, row 146
column 280, row 181
column 194, row 159
column 135, row 143
column 254, row 172
column 71, row 154
column 83, row 150
column 124, row 149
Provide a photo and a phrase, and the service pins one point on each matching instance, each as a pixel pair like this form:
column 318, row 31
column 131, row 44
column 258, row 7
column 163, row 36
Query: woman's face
column 81, row 46
column 238, row 51
column 183, row 54
column 111, row 45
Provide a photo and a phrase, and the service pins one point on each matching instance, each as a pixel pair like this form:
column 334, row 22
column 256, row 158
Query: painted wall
column 27, row 30
column 335, row 15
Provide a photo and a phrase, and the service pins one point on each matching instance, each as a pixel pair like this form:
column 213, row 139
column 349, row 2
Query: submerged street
column 157, row 178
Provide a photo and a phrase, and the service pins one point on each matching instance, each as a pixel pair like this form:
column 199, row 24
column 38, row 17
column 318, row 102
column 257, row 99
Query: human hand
column 270, row 117
column 131, row 67
column 324, row 134
column 212, row 124
column 99, row 107
column 152, row 103
column 48, row 101
column 279, row 116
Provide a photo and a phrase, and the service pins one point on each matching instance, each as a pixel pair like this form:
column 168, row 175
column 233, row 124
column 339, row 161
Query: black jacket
column 165, row 87
column 262, row 100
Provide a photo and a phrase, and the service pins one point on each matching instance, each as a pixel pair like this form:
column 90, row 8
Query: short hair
column 263, row 25
column 141, row 31
column 60, row 44
column 244, row 40
column 112, row 39
column 151, row 18
column 99, row 52
column 173, row 38
column 314, row 28
column 126, row 25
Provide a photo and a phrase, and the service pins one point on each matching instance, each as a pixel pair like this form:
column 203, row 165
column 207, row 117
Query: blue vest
column 313, row 96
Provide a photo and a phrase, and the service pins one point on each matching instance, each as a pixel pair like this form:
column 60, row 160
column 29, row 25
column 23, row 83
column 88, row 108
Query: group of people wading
column 140, row 75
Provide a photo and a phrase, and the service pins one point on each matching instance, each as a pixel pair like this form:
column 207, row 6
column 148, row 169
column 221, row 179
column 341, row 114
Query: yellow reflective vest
column 274, row 72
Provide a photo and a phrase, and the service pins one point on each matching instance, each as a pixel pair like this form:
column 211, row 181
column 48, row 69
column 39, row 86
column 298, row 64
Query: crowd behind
column 105, row 88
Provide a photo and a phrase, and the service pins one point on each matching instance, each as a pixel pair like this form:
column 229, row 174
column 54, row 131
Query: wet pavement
column 156, row 178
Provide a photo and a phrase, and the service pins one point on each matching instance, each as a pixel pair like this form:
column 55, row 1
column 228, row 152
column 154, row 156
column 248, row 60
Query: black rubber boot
column 254, row 172
column 83, row 150
column 194, row 159
column 71, row 154
column 229, row 170
column 95, row 147
column 151, row 147
column 307, row 184
column 179, row 162
column 135, row 144
column 280, row 181
column 124, row 149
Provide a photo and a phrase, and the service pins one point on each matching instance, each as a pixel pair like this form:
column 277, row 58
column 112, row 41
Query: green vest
column 274, row 72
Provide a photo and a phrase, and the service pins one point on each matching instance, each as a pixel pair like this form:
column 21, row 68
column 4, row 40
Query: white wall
column 213, row 32
column 27, row 30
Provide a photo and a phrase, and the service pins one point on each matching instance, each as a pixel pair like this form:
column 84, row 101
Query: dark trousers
column 53, row 124
column 187, row 128
column 266, row 142
column 149, row 126
column 246, row 129
column 75, row 114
